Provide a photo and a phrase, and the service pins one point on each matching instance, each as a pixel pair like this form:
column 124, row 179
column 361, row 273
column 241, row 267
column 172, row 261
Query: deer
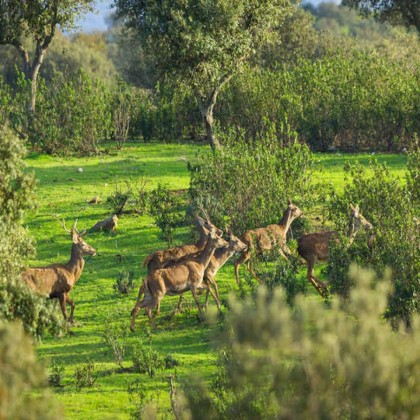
column 177, row 278
column 313, row 247
column 57, row 280
column 108, row 225
column 162, row 258
column 267, row 238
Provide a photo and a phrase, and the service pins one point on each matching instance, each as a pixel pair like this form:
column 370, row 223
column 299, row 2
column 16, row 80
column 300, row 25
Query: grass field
column 64, row 191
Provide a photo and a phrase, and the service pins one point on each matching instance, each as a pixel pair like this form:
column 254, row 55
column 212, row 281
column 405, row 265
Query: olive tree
column 203, row 44
column 36, row 21
column 396, row 12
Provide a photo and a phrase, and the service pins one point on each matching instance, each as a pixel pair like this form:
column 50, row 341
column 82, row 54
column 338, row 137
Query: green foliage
column 74, row 116
column 253, row 180
column 314, row 361
column 56, row 376
column 85, row 376
column 125, row 282
column 147, row 360
column 17, row 196
column 389, row 206
column 23, row 380
column 166, row 207
column 115, row 337
column 119, row 198
column 413, row 174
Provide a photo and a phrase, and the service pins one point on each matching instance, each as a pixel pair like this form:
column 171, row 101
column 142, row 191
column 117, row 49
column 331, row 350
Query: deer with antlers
column 314, row 247
column 57, row 280
column 177, row 278
column 267, row 238
column 161, row 258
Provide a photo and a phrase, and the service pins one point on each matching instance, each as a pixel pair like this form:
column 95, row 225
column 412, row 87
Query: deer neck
column 207, row 253
column 202, row 239
column 352, row 232
column 76, row 263
column 286, row 221
column 222, row 255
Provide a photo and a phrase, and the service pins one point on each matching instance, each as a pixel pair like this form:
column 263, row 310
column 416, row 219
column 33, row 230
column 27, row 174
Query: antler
column 206, row 215
column 63, row 224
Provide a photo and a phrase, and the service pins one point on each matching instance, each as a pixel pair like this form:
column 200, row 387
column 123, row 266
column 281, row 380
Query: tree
column 396, row 12
column 203, row 44
column 37, row 20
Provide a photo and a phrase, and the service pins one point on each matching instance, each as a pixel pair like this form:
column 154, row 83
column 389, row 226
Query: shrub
column 56, row 374
column 115, row 337
column 147, row 360
column 23, row 381
column 118, row 200
column 252, row 180
column 313, row 361
column 390, row 207
column 73, row 115
column 166, row 207
column 17, row 301
column 85, row 376
column 125, row 282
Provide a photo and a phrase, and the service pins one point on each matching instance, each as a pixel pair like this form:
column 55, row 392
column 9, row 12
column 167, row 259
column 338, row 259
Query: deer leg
column 320, row 286
column 209, row 280
column 179, row 306
column 72, row 304
column 243, row 258
column 62, row 300
column 197, row 302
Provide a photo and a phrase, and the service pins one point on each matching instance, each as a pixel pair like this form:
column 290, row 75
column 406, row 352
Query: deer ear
column 352, row 207
column 289, row 201
column 75, row 237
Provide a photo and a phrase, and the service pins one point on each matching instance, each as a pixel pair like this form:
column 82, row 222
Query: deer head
column 235, row 244
column 81, row 247
column 357, row 221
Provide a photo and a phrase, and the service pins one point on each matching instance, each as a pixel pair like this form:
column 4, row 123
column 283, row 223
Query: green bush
column 147, row 360
column 390, row 207
column 73, row 116
column 85, row 376
column 17, row 301
column 252, row 180
column 312, row 361
column 23, row 381
column 166, row 208
column 125, row 282
column 115, row 337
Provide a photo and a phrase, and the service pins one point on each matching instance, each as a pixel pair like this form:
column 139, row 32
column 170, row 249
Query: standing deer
column 267, row 238
column 57, row 280
column 314, row 247
column 161, row 258
column 177, row 278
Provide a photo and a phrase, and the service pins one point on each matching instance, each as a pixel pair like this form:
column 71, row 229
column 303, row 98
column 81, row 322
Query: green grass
column 64, row 191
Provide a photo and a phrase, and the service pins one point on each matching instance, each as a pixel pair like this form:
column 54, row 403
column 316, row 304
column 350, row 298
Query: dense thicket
column 312, row 361
column 17, row 196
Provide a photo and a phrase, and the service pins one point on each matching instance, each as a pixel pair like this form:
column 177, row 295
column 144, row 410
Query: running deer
column 177, row 278
column 161, row 258
column 267, row 238
column 314, row 247
column 57, row 280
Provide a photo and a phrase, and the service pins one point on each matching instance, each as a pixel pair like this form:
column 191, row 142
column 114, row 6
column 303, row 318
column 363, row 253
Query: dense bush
column 73, row 115
column 312, row 361
column 23, row 381
column 390, row 207
column 246, row 185
column 17, row 196
column 353, row 101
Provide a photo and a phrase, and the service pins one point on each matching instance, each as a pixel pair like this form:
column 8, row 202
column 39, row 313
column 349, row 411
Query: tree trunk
column 208, row 121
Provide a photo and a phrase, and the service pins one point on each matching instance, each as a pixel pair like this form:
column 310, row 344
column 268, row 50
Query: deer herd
column 193, row 267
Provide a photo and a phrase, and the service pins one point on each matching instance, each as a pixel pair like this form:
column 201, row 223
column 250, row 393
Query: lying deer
column 314, row 247
column 177, row 278
column 57, row 280
column 107, row 225
column 161, row 258
column 267, row 238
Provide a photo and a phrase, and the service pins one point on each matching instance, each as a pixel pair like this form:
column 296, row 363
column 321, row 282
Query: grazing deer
column 314, row 247
column 267, row 238
column 57, row 280
column 177, row 278
column 161, row 258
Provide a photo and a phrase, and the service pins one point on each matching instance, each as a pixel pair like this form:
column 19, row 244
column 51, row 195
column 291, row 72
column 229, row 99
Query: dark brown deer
column 57, row 280
column 177, row 279
column 164, row 257
column 267, row 238
column 314, row 247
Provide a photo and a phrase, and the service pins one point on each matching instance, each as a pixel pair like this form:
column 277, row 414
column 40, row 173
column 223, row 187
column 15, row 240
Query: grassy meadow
column 64, row 191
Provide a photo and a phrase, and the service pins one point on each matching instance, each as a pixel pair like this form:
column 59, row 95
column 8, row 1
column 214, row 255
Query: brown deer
column 314, row 247
column 162, row 258
column 267, row 238
column 217, row 261
column 177, row 279
column 57, row 280
column 108, row 225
